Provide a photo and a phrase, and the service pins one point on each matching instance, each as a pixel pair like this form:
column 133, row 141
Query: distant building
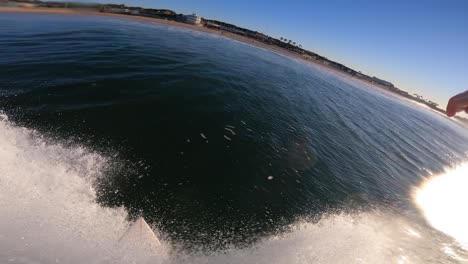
column 115, row 10
column 192, row 19
column 432, row 103
column 360, row 75
column 120, row 9
column 382, row 82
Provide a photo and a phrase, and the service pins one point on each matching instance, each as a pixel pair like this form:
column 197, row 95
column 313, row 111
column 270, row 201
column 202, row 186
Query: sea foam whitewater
column 49, row 215
column 48, row 207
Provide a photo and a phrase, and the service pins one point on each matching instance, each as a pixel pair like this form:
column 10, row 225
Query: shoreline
column 76, row 11
column 246, row 40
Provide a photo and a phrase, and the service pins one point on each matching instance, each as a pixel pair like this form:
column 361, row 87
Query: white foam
column 366, row 238
column 47, row 203
column 49, row 215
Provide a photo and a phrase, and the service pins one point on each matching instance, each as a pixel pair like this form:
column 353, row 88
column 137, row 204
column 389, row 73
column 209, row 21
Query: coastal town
column 281, row 45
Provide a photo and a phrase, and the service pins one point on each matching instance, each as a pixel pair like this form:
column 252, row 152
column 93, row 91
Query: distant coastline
column 214, row 27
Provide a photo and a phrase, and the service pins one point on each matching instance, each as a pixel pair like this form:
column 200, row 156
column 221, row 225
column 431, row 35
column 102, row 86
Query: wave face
column 233, row 154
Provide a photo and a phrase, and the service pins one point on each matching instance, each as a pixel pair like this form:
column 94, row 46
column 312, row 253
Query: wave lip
column 49, row 214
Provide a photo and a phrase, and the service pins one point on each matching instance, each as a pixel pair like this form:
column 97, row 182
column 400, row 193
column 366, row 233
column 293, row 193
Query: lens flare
column 443, row 200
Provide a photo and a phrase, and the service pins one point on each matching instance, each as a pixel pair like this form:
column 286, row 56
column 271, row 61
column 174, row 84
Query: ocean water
column 233, row 154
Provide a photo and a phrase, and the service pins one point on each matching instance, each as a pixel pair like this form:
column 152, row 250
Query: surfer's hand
column 457, row 103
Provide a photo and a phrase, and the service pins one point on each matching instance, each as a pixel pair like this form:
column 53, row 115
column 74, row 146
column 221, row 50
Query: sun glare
column 444, row 201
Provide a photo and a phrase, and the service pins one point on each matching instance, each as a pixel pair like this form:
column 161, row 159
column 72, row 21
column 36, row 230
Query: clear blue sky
column 419, row 45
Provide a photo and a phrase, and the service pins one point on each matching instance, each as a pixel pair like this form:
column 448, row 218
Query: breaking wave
column 49, row 215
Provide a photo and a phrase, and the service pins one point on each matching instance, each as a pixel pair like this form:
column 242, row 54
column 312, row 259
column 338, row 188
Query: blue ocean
column 232, row 153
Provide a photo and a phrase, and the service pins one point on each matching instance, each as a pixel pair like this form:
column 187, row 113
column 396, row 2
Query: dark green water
column 216, row 143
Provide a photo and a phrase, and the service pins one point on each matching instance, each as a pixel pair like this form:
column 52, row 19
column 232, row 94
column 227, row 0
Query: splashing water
column 47, row 203
column 443, row 201
column 49, row 215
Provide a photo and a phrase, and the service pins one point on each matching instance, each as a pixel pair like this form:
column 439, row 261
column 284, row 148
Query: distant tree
column 289, row 41
column 294, row 43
